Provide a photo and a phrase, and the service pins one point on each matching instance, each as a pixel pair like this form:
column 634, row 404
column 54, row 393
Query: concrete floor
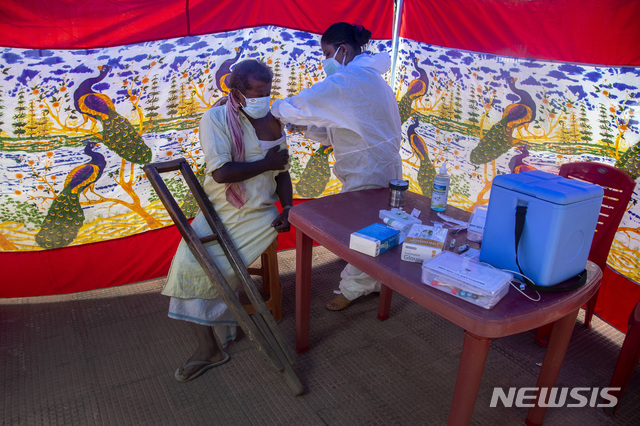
column 107, row 357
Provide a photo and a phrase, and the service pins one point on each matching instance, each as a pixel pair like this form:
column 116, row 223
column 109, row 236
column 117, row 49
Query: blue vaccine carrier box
column 560, row 221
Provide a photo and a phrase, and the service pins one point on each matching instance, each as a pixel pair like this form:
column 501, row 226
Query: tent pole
column 395, row 42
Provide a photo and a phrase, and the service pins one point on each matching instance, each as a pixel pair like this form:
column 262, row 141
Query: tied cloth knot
column 235, row 192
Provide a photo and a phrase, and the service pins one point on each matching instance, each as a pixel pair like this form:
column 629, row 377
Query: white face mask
column 257, row 107
column 331, row 65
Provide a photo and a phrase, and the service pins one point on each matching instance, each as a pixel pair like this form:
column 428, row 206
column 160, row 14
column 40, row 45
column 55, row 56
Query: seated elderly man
column 246, row 173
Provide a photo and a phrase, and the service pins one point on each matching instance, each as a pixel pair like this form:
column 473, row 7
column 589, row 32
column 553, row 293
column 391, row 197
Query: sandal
column 338, row 303
column 203, row 366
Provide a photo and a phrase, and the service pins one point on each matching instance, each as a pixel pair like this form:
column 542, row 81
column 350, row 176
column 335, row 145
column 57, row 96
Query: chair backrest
column 618, row 189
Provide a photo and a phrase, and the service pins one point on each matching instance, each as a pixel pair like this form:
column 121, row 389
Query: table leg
column 304, row 252
column 472, row 361
column 384, row 305
column 558, row 343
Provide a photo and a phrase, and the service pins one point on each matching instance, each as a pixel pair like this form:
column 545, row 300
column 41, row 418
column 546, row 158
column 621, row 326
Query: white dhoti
column 211, row 312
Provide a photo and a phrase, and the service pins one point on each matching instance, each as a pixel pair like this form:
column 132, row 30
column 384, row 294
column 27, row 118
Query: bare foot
column 338, row 303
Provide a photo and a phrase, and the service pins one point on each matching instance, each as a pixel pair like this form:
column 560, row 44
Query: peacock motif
column 316, row 174
column 630, row 161
column 499, row 138
column 118, row 133
column 190, row 205
column 426, row 171
column 517, row 164
column 222, row 73
column 416, row 90
column 65, row 216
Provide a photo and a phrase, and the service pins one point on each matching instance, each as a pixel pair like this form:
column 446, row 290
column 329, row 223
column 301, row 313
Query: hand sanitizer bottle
column 440, row 191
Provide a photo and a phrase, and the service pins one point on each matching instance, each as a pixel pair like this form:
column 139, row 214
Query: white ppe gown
column 356, row 112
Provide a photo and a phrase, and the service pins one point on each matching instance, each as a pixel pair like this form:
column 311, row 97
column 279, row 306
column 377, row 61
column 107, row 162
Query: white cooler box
column 560, row 222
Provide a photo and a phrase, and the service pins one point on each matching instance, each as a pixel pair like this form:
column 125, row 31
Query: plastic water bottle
column 440, row 191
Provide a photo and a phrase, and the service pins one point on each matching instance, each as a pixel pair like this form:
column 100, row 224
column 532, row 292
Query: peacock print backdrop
column 485, row 115
column 79, row 120
column 79, row 125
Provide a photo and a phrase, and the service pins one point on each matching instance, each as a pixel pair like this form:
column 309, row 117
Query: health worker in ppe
column 356, row 112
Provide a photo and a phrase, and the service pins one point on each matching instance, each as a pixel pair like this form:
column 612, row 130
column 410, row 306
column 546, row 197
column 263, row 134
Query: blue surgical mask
column 257, row 107
column 331, row 65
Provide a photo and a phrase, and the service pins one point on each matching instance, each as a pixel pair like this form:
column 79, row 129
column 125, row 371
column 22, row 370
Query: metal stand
column 260, row 328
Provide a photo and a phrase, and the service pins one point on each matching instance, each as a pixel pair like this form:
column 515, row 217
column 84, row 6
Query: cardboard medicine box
column 423, row 242
column 374, row 239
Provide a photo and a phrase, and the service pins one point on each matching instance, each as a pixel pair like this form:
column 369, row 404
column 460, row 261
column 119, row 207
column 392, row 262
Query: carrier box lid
column 549, row 187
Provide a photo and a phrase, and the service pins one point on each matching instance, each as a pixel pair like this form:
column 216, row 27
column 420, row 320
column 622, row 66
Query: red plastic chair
column 618, row 189
column 627, row 360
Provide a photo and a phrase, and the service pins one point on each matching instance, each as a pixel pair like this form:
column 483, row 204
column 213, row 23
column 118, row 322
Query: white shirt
column 249, row 227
